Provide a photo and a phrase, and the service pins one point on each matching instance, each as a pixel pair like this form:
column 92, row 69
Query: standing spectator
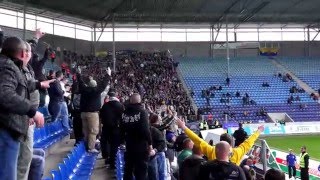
column 57, row 105
column 221, row 168
column 240, row 135
column 90, row 104
column 291, row 162
column 37, row 63
column 110, row 114
column 228, row 81
column 304, row 164
column 189, row 169
column 136, row 133
column 274, row 174
column 26, row 147
column 75, row 111
column 157, row 163
column 15, row 106
column 186, row 152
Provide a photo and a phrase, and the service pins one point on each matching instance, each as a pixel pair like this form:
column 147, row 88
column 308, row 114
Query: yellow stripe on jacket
column 209, row 151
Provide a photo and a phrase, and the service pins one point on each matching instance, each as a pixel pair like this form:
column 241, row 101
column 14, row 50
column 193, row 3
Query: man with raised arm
column 209, row 151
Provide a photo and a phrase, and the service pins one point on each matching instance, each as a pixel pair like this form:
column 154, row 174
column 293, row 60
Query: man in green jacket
column 186, row 152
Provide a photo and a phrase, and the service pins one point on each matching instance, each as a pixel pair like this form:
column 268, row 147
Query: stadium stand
column 247, row 76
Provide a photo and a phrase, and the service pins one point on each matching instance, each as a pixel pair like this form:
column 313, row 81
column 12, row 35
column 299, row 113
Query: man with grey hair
column 136, row 133
column 90, row 104
column 26, row 147
column 221, row 168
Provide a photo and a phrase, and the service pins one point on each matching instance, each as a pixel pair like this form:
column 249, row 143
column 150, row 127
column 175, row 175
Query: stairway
column 302, row 84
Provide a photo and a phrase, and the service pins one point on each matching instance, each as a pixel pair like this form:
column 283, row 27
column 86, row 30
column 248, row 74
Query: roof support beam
column 316, row 36
column 103, row 25
column 226, row 11
column 37, row 14
column 112, row 11
column 253, row 12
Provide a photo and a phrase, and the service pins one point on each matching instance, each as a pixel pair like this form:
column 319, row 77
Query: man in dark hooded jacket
column 191, row 165
column 136, row 133
column 111, row 115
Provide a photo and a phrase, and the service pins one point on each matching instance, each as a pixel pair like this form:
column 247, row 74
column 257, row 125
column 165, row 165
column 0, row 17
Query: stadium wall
column 56, row 41
column 288, row 48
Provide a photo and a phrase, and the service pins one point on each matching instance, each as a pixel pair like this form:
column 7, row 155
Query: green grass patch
column 284, row 143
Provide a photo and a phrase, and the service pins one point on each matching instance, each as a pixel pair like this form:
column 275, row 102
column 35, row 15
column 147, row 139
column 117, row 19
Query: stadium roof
column 238, row 12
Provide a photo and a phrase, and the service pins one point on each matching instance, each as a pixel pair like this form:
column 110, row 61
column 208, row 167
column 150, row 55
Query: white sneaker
column 93, row 151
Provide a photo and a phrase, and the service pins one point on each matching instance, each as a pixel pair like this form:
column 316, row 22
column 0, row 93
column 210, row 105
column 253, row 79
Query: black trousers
column 304, row 172
column 136, row 164
column 110, row 141
column 105, row 146
column 77, row 125
column 292, row 171
column 43, row 94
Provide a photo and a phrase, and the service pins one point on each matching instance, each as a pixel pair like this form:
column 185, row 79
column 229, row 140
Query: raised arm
column 205, row 148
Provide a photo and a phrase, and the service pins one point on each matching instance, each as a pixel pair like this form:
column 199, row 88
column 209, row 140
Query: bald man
column 221, row 168
column 136, row 133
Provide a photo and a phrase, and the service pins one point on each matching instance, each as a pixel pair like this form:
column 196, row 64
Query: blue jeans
column 37, row 165
column 59, row 110
column 64, row 115
column 54, row 110
column 153, row 169
column 9, row 151
column 157, row 169
column 162, row 166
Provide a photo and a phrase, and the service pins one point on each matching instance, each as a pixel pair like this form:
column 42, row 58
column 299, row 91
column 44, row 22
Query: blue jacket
column 291, row 160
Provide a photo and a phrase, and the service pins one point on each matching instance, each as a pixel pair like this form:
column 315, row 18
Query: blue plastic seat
column 56, row 175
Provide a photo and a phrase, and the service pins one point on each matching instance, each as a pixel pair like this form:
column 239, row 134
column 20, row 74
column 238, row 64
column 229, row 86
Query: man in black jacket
column 157, row 163
column 57, row 105
column 75, row 111
column 90, row 105
column 191, row 165
column 136, row 133
column 240, row 135
column 221, row 168
column 15, row 106
column 304, row 164
column 37, row 66
column 111, row 115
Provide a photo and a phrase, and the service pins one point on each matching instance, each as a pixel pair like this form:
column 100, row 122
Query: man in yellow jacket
column 209, row 151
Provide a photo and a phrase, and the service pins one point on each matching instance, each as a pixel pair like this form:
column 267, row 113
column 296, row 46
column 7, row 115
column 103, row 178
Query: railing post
column 264, row 155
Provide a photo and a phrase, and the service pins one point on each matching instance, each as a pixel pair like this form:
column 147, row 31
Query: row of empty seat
column 49, row 134
column 78, row 165
column 307, row 69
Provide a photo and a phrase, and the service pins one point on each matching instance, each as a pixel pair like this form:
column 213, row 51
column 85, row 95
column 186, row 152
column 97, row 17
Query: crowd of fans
column 141, row 108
